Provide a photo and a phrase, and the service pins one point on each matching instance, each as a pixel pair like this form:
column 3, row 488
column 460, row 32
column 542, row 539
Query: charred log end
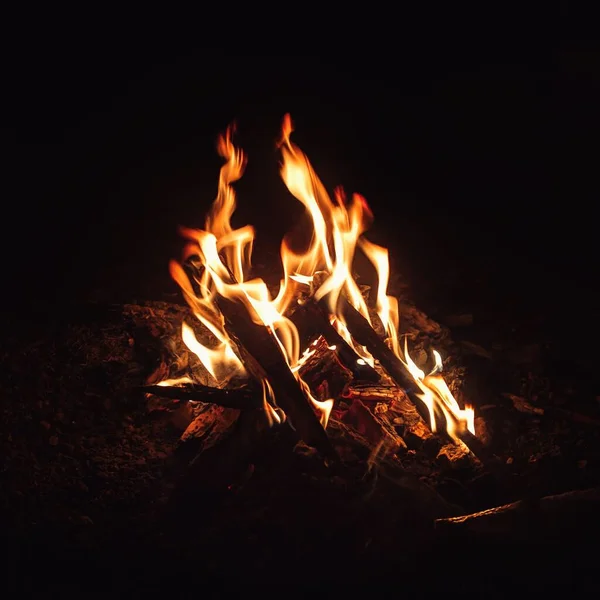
column 374, row 428
column 263, row 358
column 454, row 457
column 419, row 437
column 484, row 431
column 323, row 371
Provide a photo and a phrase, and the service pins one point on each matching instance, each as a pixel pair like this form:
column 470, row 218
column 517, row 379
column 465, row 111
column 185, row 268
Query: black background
column 478, row 158
column 472, row 155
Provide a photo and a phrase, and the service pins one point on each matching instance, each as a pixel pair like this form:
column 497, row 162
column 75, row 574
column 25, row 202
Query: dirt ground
column 92, row 474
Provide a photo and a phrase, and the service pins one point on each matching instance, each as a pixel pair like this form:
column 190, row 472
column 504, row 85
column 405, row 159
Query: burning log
column 263, row 358
column 373, row 427
column 242, row 398
column 364, row 334
column 323, row 371
column 418, row 436
column 454, row 456
column 371, row 393
column 314, row 314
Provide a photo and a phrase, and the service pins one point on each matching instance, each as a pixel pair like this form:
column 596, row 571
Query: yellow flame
column 338, row 229
column 323, row 269
column 224, row 256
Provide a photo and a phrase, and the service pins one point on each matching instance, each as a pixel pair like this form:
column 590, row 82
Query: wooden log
column 243, row 398
column 263, row 358
column 210, row 425
column 517, row 519
column 206, row 475
column 323, row 371
column 372, row 393
column 419, row 437
column 313, row 317
column 374, row 427
column 364, row 334
column 454, row 457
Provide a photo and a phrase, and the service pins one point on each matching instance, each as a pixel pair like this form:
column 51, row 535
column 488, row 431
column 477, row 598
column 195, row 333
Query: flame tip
column 323, row 271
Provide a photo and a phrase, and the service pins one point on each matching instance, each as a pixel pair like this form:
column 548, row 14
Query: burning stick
column 315, row 313
column 244, row 398
column 364, row 334
column 322, row 370
column 263, row 358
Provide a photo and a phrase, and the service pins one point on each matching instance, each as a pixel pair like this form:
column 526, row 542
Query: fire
column 225, row 255
column 324, row 270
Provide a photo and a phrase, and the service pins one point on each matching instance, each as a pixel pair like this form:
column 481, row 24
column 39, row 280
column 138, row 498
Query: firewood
column 313, row 317
column 373, row 427
column 519, row 519
column 364, row 334
column 210, row 425
column 372, row 393
column 216, row 469
column 243, row 398
column 323, row 372
column 454, row 457
column 419, row 437
column 263, row 358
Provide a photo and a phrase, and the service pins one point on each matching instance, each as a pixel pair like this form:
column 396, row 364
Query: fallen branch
column 518, row 519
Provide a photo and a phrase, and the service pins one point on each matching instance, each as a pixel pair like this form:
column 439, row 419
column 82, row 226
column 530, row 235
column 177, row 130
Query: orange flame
column 337, row 231
column 324, row 270
column 225, row 255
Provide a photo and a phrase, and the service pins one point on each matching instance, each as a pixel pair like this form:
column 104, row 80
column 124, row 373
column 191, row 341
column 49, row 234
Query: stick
column 324, row 372
column 320, row 316
column 262, row 356
column 245, row 398
column 518, row 517
column 364, row 334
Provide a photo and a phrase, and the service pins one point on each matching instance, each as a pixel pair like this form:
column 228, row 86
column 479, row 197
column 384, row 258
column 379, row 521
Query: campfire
column 257, row 360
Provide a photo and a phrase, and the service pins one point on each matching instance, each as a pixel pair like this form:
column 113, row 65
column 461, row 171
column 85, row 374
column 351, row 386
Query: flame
column 224, row 256
column 338, row 229
column 323, row 269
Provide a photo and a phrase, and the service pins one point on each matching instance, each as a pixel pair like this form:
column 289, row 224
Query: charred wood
column 323, row 371
column 373, row 393
column 312, row 317
column 210, row 472
column 521, row 519
column 454, row 457
column 374, row 427
column 242, row 398
column 263, row 358
column 419, row 437
column 364, row 334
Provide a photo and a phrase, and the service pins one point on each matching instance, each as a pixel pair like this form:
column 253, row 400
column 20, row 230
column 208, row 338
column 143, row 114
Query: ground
column 92, row 497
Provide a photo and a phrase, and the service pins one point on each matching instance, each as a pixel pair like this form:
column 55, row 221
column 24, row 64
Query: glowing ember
column 323, row 270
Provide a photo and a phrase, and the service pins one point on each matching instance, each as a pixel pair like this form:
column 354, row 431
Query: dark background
column 476, row 158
